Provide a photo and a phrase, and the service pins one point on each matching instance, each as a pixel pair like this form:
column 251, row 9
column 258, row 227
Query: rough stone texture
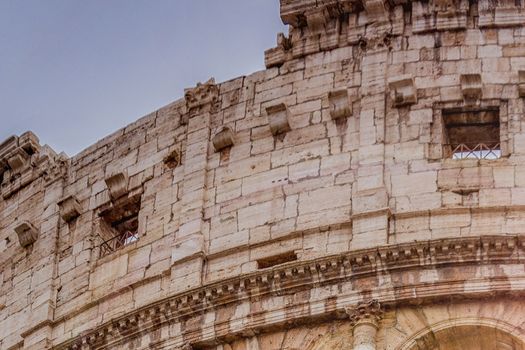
column 260, row 238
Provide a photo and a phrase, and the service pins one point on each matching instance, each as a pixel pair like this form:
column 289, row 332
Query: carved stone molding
column 367, row 312
column 204, row 95
column 70, row 209
column 27, row 233
column 223, row 139
column 354, row 264
column 278, row 118
column 22, row 160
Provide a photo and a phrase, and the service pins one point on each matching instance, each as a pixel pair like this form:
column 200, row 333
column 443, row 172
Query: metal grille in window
column 479, row 151
column 119, row 225
column 473, row 134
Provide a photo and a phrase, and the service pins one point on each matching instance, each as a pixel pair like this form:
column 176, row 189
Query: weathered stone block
column 117, row 185
column 27, row 233
column 223, row 139
column 402, row 90
column 70, row 209
column 340, row 104
column 278, row 118
column 471, row 86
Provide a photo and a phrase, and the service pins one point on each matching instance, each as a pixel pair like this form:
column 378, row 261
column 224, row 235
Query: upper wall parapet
column 317, row 25
column 23, row 159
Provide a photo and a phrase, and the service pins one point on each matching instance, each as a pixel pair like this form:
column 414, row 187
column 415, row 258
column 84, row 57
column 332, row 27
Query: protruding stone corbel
column 223, row 139
column 521, row 82
column 117, row 185
column 18, row 160
column 204, row 94
column 365, row 321
column 403, row 90
column 471, row 86
column 70, row 208
column 316, row 18
column 376, row 9
column 278, row 118
column 340, row 105
column 27, row 233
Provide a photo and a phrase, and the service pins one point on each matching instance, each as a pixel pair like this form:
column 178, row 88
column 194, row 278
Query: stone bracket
column 27, row 233
column 471, row 86
column 403, row 90
column 340, row 104
column 278, row 118
column 117, row 185
column 521, row 83
column 70, row 208
column 223, row 139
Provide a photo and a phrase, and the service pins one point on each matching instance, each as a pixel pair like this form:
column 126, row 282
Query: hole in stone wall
column 172, row 160
column 119, row 224
column 276, row 260
column 473, row 134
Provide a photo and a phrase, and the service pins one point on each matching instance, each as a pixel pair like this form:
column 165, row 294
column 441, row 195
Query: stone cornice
column 306, row 274
column 317, row 26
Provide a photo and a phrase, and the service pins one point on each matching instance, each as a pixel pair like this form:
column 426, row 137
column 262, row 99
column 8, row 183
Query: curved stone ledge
column 349, row 268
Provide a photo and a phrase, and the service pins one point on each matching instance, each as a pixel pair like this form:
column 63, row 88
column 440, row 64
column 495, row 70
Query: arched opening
column 467, row 337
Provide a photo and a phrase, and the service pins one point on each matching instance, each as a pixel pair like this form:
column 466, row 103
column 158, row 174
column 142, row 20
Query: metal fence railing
column 117, row 242
column 478, row 151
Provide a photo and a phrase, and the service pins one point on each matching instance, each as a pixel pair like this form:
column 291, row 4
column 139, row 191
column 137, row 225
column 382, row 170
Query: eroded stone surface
column 350, row 197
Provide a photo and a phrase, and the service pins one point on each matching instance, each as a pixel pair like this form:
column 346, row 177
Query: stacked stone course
column 313, row 205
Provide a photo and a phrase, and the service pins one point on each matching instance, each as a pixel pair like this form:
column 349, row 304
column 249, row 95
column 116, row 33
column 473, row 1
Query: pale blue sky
column 74, row 71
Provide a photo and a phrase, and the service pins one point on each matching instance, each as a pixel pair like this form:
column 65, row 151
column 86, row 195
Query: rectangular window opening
column 473, row 134
column 276, row 260
column 119, row 225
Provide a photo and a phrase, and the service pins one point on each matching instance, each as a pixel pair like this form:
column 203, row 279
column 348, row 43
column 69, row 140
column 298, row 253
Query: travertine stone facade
column 335, row 200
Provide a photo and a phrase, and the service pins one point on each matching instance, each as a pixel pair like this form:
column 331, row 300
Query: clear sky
column 74, row 71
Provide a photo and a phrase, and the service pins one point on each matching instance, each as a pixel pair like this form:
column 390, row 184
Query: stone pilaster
column 189, row 244
column 365, row 320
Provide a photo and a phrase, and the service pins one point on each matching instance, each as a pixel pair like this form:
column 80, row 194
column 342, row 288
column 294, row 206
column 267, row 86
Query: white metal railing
column 479, row 151
column 117, row 242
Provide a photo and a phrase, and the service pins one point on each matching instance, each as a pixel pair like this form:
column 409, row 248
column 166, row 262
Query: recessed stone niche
column 340, row 105
column 117, row 185
column 27, row 233
column 172, row 159
column 223, row 139
column 278, row 119
column 521, row 84
column 70, row 208
column 403, row 90
column 471, row 86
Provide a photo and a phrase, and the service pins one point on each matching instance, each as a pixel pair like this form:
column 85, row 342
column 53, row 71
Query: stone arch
column 466, row 334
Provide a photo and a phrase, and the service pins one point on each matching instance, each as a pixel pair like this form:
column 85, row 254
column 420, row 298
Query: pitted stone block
column 278, row 118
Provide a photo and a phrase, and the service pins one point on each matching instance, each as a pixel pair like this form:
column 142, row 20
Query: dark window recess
column 276, row 260
column 472, row 134
column 119, row 225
